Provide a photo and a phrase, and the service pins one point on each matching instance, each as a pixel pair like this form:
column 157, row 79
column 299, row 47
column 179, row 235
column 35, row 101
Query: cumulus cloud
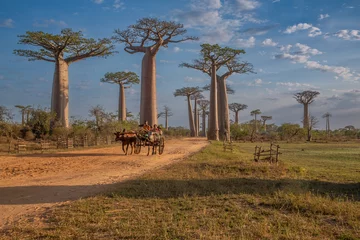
column 194, row 79
column 177, row 49
column 246, row 43
column 118, row 4
column 301, row 55
column 313, row 31
column 323, row 16
column 306, row 50
column 98, row 1
column 348, row 34
column 344, row 72
column 7, row 23
column 269, row 42
column 49, row 22
column 294, row 84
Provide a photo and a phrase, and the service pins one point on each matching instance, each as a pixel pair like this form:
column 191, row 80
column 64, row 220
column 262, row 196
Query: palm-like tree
column 188, row 92
column 236, row 108
column 327, row 116
column 265, row 118
column 124, row 80
column 255, row 113
column 24, row 110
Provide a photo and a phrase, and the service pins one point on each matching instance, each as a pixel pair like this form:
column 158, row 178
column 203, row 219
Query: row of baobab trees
column 147, row 36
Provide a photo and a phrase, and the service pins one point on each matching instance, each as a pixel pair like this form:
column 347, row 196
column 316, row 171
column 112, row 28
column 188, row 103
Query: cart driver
column 146, row 126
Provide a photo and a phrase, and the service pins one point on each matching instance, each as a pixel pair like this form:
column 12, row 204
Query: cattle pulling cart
column 151, row 140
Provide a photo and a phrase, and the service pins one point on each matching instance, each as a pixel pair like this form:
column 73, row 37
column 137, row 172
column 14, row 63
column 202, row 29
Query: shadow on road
column 176, row 189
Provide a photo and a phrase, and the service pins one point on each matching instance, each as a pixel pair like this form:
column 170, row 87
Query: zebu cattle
column 126, row 138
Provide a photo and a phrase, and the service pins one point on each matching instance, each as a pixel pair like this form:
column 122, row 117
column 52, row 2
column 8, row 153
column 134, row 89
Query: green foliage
column 124, row 78
column 186, row 91
column 288, row 131
column 219, row 55
column 68, row 45
column 177, row 132
column 40, row 121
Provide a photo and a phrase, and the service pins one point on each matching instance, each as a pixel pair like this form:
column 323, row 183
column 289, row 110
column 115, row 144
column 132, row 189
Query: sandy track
column 31, row 183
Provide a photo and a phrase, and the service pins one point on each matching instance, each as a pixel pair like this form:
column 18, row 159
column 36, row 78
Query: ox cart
column 154, row 140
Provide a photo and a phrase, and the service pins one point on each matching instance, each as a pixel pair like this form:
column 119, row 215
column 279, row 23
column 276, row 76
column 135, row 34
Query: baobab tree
column 313, row 121
column 236, row 108
column 166, row 113
column 147, row 36
column 187, row 92
column 23, row 110
column 197, row 96
column 212, row 58
column 62, row 49
column 204, row 107
column 265, row 118
column 255, row 113
column 124, row 80
column 306, row 98
column 327, row 116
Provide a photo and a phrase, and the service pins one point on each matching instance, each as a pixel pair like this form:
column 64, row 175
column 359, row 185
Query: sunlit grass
column 313, row 193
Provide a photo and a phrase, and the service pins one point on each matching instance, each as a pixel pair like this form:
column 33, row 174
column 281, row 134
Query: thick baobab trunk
column 60, row 92
column 224, row 109
column 220, row 99
column 148, row 105
column 122, row 104
column 196, row 122
column 191, row 118
column 55, row 92
column 306, row 116
column 213, row 115
column 237, row 117
column 203, row 130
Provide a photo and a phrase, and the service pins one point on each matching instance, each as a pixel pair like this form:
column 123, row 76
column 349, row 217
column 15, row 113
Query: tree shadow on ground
column 164, row 189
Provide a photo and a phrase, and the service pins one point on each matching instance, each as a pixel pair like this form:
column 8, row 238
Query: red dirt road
column 31, row 183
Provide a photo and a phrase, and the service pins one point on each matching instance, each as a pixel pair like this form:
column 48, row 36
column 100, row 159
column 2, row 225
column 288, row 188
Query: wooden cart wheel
column 138, row 144
column 161, row 145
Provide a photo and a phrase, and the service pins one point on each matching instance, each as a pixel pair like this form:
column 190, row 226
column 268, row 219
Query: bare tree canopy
column 266, row 118
column 68, row 45
column 204, row 104
column 236, row 107
column 151, row 33
column 196, row 96
column 306, row 97
column 125, row 78
column 5, row 114
column 327, row 115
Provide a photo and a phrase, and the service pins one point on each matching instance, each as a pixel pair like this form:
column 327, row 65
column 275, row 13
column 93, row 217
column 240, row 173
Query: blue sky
column 294, row 45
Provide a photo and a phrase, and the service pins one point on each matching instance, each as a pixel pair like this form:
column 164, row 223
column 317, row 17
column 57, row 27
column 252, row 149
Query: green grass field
column 314, row 193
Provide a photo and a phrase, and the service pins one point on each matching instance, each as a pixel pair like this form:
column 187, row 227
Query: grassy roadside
column 313, row 194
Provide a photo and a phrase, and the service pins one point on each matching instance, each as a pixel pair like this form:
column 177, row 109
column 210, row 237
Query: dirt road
column 31, row 183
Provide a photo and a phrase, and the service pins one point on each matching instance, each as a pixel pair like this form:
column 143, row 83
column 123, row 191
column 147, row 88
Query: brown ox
column 126, row 138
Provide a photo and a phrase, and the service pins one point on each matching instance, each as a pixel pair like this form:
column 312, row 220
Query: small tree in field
column 204, row 107
column 62, row 49
column 23, row 110
column 265, row 118
column 255, row 113
column 188, row 92
column 236, row 108
column 147, row 36
column 124, row 80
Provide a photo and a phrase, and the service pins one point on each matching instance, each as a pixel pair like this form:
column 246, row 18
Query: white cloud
column 313, row 31
column 118, row 4
column 269, row 42
column 48, row 22
column 205, row 4
column 294, row 84
column 306, row 50
column 247, row 5
column 285, row 48
column 98, row 1
column 343, row 72
column 177, row 49
column 323, row 16
column 275, row 1
column 348, row 34
column 246, row 43
column 294, row 58
column 257, row 83
column 7, row 23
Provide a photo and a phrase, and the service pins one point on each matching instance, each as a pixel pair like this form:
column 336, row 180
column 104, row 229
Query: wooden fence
column 271, row 155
